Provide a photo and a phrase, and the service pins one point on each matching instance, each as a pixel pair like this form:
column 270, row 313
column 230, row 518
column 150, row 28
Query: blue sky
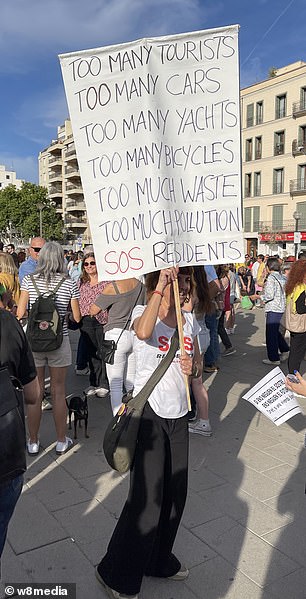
column 34, row 32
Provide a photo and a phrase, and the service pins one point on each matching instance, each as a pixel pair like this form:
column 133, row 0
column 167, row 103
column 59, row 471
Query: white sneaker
column 200, row 428
column 284, row 356
column 111, row 592
column 182, row 574
column 33, row 448
column 63, row 446
column 82, row 371
column 272, row 362
column 90, row 391
column 101, row 392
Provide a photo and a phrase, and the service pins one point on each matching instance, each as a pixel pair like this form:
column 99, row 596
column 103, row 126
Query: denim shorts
column 58, row 358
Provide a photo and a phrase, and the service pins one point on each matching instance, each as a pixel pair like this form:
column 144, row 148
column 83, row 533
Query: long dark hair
column 202, row 289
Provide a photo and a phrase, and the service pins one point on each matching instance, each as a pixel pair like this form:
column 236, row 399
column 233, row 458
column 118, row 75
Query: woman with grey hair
column 51, row 274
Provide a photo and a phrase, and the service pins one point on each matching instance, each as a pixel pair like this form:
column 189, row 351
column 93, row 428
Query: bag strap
column 161, row 369
column 130, row 314
column 53, row 291
column 115, row 286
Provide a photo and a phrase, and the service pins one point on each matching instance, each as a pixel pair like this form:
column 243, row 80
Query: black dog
column 78, row 406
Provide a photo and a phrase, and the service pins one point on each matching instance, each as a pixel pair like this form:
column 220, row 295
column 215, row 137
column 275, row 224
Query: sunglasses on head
column 36, row 249
column 89, row 263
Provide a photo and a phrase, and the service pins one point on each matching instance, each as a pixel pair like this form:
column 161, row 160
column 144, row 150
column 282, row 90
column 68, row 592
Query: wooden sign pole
column 181, row 334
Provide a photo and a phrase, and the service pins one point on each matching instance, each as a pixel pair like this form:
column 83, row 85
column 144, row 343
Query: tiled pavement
column 243, row 534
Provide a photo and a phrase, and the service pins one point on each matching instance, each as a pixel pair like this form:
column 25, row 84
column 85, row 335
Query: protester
column 275, row 302
column 29, row 265
column 246, row 282
column 92, row 327
column 9, row 279
column 230, row 316
column 16, row 355
column 10, row 248
column 119, row 298
column 201, row 304
column 213, row 351
column 145, row 533
column 225, row 286
column 295, row 291
column 51, row 269
column 21, row 257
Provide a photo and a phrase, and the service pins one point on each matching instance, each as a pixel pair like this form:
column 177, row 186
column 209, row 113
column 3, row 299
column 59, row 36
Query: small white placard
column 271, row 397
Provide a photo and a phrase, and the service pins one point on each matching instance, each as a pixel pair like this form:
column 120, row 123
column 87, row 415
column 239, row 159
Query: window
column 257, row 184
column 278, row 180
column 248, row 149
column 302, row 136
column 277, row 217
column 259, row 113
column 7, row 176
column 279, row 143
column 301, row 208
column 251, row 219
column 247, row 220
column 301, row 173
column 250, row 115
column 248, row 185
column 280, row 106
column 258, row 147
column 303, row 98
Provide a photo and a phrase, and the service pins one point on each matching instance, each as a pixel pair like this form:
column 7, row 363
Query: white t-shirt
column 168, row 399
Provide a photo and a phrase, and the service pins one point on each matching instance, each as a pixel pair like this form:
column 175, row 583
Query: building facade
column 273, row 114
column 59, row 173
column 9, row 178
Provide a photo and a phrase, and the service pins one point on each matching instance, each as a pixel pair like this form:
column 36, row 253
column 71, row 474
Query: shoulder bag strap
column 159, row 372
column 130, row 314
column 115, row 286
column 56, row 288
column 35, row 286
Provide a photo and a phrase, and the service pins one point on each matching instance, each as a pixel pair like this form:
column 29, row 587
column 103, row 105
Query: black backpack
column 45, row 327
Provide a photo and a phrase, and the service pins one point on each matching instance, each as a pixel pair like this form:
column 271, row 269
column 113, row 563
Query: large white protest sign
column 271, row 397
column 156, row 124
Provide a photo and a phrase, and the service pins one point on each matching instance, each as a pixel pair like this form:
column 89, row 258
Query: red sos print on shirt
column 164, row 343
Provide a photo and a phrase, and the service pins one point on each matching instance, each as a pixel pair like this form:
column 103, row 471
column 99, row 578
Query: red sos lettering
column 163, row 343
column 188, row 344
column 123, row 261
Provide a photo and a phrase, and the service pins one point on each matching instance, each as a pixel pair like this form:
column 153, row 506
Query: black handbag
column 107, row 350
column 120, row 438
column 12, row 427
column 108, row 346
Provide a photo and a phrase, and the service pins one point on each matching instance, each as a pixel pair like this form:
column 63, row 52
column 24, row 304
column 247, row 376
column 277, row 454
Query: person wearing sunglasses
column 28, row 267
column 92, row 327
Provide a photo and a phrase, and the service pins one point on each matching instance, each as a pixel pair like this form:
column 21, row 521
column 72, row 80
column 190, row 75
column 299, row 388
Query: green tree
column 19, row 213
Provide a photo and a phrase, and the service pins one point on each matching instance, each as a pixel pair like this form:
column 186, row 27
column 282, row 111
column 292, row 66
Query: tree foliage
column 19, row 213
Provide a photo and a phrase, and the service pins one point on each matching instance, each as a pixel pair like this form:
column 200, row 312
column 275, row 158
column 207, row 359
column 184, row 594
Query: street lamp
column 297, row 216
column 40, row 208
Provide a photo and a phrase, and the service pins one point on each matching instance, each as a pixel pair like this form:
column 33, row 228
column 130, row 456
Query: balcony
column 55, row 191
column 298, row 148
column 298, row 187
column 272, row 226
column 76, row 221
column 56, row 159
column 299, row 109
column 56, row 176
column 72, row 171
column 74, row 188
column 70, row 153
column 77, row 205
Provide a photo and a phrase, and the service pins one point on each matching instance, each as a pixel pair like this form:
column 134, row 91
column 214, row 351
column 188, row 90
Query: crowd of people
column 139, row 316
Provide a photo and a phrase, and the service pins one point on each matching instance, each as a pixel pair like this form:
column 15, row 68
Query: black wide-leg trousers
column 143, row 539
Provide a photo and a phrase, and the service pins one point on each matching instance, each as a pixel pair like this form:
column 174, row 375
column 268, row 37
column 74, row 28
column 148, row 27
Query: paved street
column 243, row 533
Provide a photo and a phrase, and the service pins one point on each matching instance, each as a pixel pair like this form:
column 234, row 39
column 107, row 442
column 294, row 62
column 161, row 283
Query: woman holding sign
column 145, row 533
